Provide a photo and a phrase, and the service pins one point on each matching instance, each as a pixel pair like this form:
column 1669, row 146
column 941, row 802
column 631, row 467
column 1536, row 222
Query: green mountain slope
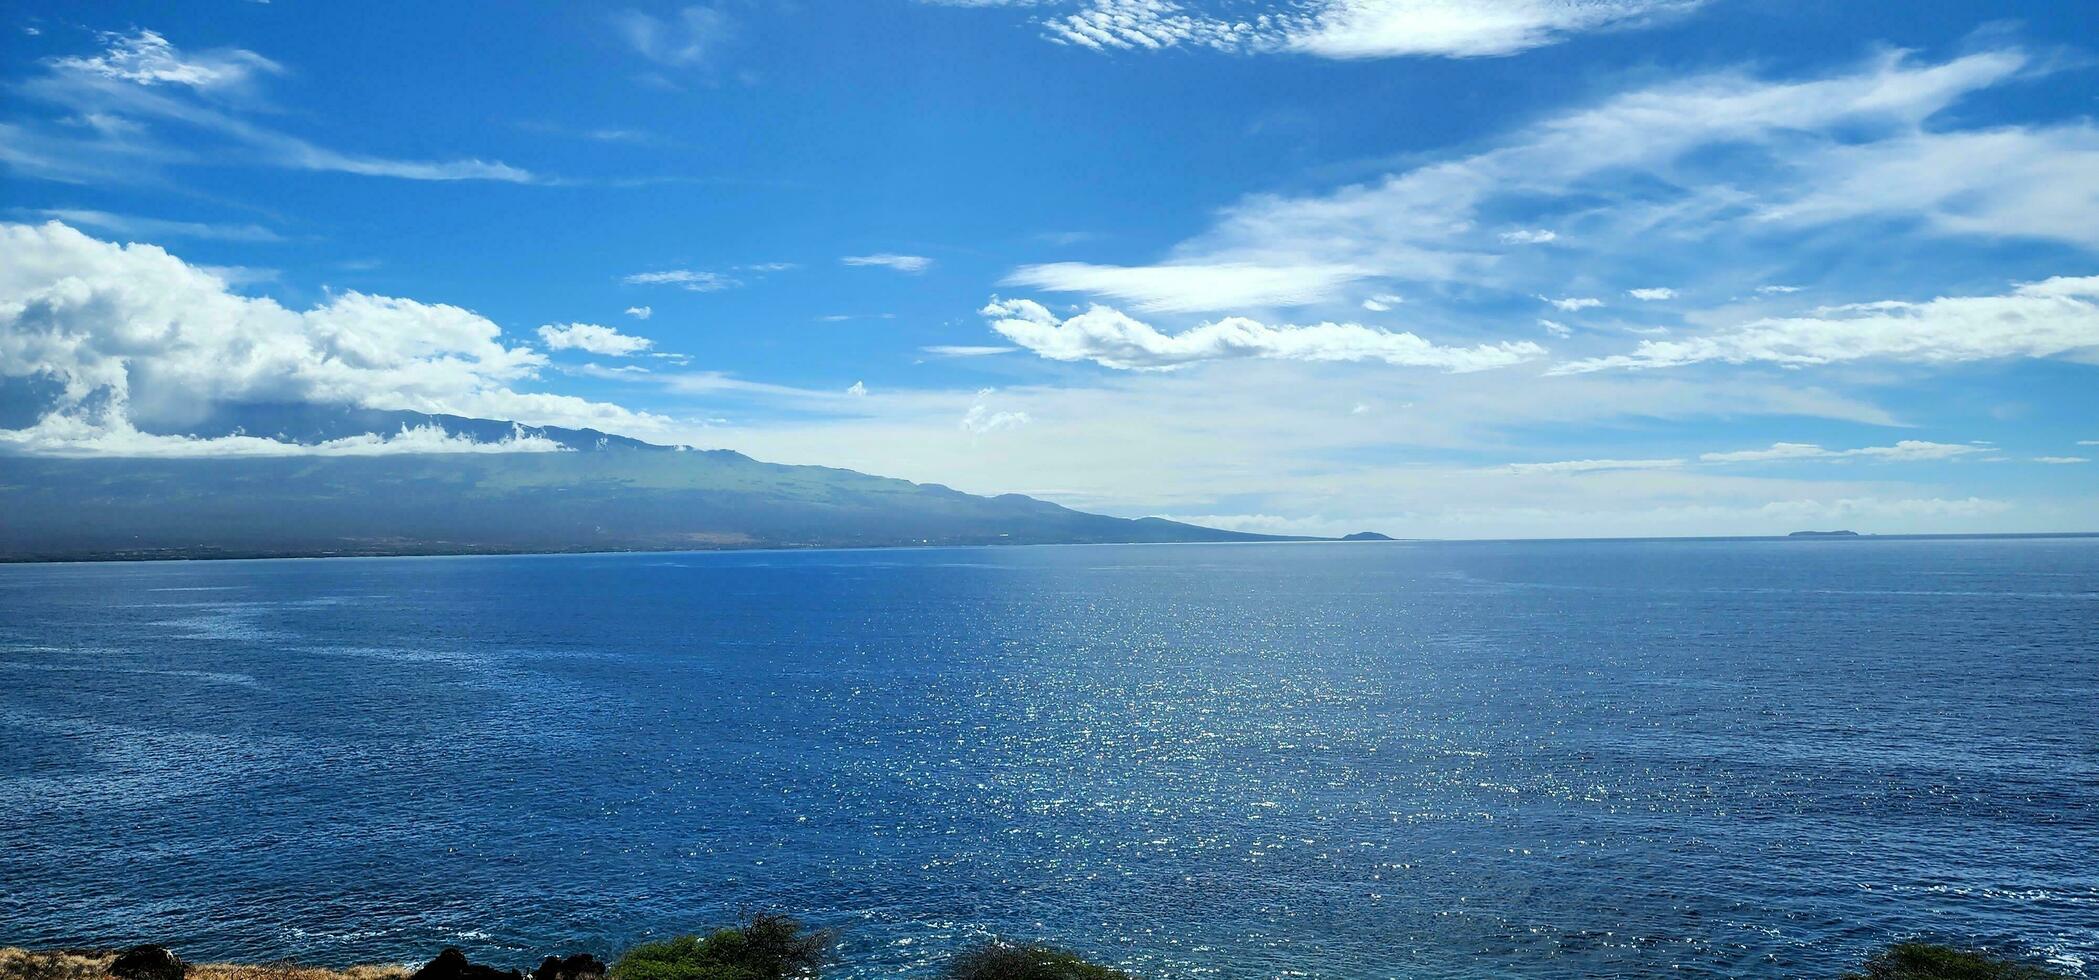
column 55, row 509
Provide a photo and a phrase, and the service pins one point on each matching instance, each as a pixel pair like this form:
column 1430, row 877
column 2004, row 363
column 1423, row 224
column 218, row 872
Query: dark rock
column 148, row 963
column 451, row 964
column 576, row 966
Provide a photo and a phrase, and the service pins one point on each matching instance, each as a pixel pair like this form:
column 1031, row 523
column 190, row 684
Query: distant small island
column 1823, row 534
column 1366, row 536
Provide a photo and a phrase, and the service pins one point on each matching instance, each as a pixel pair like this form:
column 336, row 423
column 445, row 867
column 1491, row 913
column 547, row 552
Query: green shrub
column 1925, row 961
column 998, row 961
column 769, row 947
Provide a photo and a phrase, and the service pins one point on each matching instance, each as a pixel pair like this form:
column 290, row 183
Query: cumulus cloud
column 1383, row 302
column 1348, row 28
column 858, row 389
column 982, row 417
column 1573, row 304
column 912, row 264
column 1556, row 328
column 1651, row 293
column 58, row 435
column 640, row 312
column 2043, row 319
column 1111, row 338
column 129, row 334
column 1908, row 450
column 593, row 338
column 1189, row 288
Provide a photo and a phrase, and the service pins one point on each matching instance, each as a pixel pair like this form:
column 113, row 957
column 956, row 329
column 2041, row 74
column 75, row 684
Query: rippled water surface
column 1616, row 759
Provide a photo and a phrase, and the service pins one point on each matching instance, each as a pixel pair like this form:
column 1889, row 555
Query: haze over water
column 1538, row 760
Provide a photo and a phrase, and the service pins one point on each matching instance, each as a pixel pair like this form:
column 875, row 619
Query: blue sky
column 1526, row 267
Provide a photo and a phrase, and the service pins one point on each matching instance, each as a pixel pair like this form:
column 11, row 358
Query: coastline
column 142, row 558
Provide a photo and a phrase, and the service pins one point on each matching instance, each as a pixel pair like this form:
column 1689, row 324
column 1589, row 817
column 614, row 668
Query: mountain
column 1366, row 536
column 606, row 494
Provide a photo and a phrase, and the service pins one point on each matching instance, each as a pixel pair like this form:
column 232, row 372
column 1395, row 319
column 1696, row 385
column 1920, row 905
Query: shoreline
column 122, row 558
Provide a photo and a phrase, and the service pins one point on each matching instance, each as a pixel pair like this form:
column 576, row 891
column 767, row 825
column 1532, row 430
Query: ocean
column 1709, row 758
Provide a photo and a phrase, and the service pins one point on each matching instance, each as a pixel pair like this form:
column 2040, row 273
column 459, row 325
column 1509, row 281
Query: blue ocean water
column 1533, row 760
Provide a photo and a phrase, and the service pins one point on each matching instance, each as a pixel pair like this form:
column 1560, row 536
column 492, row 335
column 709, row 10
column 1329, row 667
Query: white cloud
column 1189, row 288
column 982, row 418
column 1526, row 236
column 1595, row 465
column 2088, row 442
column 640, row 312
column 2043, row 319
column 858, row 389
column 684, row 40
column 130, row 334
column 966, row 350
column 594, row 338
column 140, row 85
column 696, row 281
column 1383, row 302
column 1651, row 293
column 146, row 58
column 1556, row 328
column 1573, row 304
column 912, row 264
column 1110, row 338
column 1908, row 450
column 1713, row 158
column 1777, row 289
column 1350, row 28
column 122, row 224
column 2005, row 181
column 58, row 435
column 2061, row 460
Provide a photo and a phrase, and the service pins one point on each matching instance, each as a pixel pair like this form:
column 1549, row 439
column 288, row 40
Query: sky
column 1498, row 268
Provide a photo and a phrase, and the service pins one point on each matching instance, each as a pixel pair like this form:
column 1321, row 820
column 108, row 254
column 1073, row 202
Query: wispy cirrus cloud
column 1906, row 451
column 693, row 280
column 141, row 103
column 1178, row 288
column 1347, row 29
column 686, row 38
column 2055, row 317
column 132, row 225
column 1730, row 159
column 1595, row 465
column 909, row 264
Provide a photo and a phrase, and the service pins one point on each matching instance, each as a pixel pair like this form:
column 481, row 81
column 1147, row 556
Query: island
column 1366, row 536
column 1823, row 534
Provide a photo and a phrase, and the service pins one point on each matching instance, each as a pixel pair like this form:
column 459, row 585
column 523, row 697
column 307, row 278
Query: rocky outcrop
column 452, row 964
column 148, row 963
column 577, row 966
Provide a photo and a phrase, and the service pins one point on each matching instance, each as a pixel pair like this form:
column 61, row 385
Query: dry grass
column 22, row 964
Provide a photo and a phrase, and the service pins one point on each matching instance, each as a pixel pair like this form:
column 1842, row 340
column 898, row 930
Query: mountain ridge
column 600, row 493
